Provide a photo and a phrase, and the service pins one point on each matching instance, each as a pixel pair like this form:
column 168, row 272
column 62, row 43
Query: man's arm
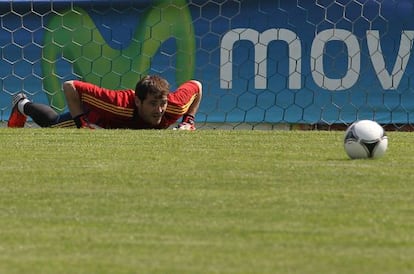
column 72, row 99
column 192, row 110
column 75, row 106
column 187, row 122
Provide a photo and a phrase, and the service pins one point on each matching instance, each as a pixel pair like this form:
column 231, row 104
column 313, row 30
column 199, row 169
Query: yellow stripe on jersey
column 180, row 110
column 65, row 124
column 121, row 111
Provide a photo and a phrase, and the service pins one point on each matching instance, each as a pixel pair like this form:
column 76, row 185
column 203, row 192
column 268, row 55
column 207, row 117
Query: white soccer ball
column 365, row 139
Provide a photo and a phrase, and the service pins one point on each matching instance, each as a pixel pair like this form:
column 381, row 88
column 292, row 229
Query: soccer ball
column 365, row 139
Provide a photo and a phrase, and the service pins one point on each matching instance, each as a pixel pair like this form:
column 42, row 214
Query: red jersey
column 116, row 108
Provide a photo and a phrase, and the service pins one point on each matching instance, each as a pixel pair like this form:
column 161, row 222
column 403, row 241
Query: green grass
column 79, row 201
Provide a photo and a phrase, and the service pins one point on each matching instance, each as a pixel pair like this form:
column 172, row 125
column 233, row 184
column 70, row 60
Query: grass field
column 210, row 201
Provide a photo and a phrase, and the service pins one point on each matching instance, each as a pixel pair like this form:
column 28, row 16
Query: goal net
column 263, row 64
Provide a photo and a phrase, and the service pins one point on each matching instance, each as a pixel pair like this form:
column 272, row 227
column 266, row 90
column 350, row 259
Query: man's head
column 151, row 98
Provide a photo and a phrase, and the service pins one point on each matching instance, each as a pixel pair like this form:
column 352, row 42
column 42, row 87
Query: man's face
column 151, row 109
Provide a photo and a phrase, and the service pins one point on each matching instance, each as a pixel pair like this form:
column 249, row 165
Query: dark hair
column 152, row 84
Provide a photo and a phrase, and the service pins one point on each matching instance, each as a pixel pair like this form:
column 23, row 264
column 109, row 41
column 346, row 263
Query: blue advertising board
column 260, row 61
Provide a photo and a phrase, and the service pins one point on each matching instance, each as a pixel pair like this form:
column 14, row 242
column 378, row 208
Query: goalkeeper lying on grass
column 150, row 106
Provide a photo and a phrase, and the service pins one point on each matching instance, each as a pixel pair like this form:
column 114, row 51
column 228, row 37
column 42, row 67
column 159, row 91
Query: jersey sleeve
column 180, row 100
